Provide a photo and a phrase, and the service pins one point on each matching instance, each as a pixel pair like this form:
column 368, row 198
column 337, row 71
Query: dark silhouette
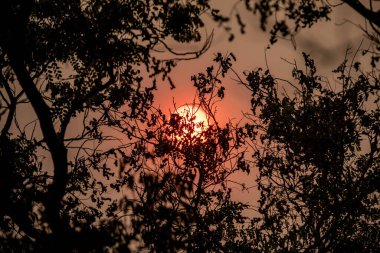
column 102, row 170
column 317, row 142
column 68, row 60
column 318, row 160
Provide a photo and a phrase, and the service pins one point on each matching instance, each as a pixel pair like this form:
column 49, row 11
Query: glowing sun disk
column 194, row 114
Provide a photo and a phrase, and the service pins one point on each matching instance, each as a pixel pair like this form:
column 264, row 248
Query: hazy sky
column 327, row 43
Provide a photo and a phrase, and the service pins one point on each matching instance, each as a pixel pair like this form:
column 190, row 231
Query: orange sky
column 327, row 43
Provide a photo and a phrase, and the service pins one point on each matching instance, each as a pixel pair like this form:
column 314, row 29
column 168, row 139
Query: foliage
column 101, row 169
column 174, row 178
column 75, row 63
column 22, row 183
column 288, row 17
column 182, row 187
column 318, row 161
column 296, row 15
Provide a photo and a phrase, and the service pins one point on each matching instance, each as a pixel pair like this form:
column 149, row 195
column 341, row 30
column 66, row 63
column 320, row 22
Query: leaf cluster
column 318, row 158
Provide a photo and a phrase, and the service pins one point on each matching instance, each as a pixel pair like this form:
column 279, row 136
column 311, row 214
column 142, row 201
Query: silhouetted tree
column 317, row 152
column 287, row 18
column 74, row 63
column 317, row 144
column 174, row 174
column 119, row 175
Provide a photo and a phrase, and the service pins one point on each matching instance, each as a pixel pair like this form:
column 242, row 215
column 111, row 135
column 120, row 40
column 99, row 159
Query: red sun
column 194, row 114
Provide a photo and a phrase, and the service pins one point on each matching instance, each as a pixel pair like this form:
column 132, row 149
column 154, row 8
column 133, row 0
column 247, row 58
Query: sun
column 194, row 114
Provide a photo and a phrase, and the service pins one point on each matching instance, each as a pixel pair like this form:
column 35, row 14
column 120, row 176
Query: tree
column 293, row 16
column 120, row 175
column 178, row 194
column 317, row 149
column 318, row 160
column 77, row 61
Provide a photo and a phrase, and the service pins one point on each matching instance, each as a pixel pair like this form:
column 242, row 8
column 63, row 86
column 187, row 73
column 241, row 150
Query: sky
column 326, row 42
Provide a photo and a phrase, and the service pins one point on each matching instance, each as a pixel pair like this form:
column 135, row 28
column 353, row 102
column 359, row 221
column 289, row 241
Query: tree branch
column 77, row 104
column 371, row 16
column 12, row 107
column 55, row 144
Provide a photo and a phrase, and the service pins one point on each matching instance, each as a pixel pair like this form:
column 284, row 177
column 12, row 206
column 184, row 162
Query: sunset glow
column 195, row 114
